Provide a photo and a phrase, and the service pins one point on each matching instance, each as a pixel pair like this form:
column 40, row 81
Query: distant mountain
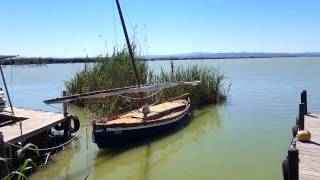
column 202, row 55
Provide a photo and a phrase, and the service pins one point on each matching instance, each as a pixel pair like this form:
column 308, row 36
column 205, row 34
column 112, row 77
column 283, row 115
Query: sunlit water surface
column 246, row 138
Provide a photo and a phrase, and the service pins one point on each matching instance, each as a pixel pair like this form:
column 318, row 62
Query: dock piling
column 293, row 163
column 65, row 109
column 301, row 116
column 4, row 170
column 66, row 124
column 302, row 161
column 304, row 101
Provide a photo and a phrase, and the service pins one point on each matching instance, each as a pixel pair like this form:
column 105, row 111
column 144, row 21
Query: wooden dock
column 303, row 160
column 25, row 126
column 309, row 152
column 35, row 122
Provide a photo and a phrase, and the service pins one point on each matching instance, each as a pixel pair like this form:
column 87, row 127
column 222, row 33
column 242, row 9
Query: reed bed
column 116, row 71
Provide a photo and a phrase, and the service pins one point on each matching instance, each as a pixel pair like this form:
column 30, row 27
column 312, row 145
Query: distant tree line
column 41, row 60
column 192, row 56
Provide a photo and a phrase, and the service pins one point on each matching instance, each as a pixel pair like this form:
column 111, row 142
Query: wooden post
column 4, row 170
column 64, row 105
column 301, row 116
column 66, row 123
column 66, row 128
column 172, row 67
column 293, row 163
column 9, row 154
column 304, row 100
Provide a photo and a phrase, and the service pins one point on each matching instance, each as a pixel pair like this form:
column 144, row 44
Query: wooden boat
column 136, row 125
column 140, row 123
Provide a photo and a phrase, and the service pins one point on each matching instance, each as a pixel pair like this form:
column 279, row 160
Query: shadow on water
column 153, row 152
column 134, row 160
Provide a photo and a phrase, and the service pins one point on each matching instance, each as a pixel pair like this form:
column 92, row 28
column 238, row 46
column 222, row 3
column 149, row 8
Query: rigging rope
column 59, row 109
column 145, row 97
column 115, row 26
column 125, row 10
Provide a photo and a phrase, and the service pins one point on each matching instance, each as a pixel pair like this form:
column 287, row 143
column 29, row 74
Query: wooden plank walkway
column 309, row 153
column 36, row 122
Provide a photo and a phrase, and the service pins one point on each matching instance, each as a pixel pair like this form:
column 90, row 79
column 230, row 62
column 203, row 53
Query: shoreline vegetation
column 191, row 56
column 116, row 71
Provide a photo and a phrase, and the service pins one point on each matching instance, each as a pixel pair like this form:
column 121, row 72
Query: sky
column 76, row 28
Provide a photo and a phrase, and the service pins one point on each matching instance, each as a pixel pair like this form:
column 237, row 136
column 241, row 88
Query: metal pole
column 128, row 43
column 5, row 86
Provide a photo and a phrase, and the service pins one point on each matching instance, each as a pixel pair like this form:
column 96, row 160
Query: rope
column 133, row 98
column 87, row 158
column 125, row 10
column 59, row 109
column 47, row 157
column 44, row 149
column 115, row 26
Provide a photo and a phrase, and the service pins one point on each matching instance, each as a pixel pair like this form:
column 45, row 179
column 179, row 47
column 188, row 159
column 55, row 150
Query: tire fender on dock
column 285, row 169
column 76, row 124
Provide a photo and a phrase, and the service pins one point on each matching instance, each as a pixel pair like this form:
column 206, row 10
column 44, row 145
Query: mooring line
column 88, row 172
column 44, row 149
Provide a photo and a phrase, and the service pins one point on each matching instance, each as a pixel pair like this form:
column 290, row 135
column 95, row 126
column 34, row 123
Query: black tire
column 59, row 127
column 294, row 130
column 285, row 169
column 75, row 128
column 76, row 124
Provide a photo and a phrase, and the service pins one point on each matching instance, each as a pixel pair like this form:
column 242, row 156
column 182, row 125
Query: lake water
column 247, row 138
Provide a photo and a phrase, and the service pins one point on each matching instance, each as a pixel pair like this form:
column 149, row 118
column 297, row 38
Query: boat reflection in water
column 134, row 161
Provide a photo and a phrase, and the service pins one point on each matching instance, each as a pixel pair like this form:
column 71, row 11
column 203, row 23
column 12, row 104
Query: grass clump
column 116, row 71
column 211, row 89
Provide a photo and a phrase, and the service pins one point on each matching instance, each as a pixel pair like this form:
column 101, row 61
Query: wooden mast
column 128, row 43
column 130, row 51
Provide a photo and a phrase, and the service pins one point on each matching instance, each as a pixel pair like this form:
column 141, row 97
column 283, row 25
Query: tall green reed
column 116, row 71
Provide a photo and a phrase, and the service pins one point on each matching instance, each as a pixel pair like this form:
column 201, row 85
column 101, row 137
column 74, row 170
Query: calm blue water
column 30, row 85
column 246, row 138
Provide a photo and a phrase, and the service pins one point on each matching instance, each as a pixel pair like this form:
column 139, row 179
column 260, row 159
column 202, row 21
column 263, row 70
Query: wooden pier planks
column 309, row 153
column 37, row 122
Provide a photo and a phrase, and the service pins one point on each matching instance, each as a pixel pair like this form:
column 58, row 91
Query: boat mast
column 128, row 44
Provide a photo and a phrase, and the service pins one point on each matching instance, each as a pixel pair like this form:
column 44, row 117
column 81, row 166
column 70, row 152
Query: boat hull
column 110, row 137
